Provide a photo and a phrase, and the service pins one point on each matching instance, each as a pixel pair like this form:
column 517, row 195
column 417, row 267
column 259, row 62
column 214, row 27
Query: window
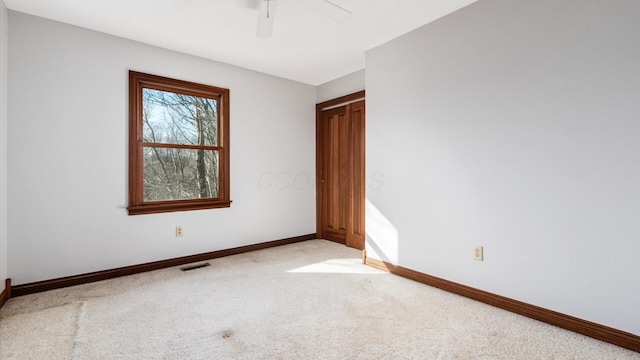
column 178, row 145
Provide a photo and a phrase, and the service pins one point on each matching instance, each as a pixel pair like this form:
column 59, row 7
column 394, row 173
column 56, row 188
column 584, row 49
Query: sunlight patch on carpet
column 338, row 266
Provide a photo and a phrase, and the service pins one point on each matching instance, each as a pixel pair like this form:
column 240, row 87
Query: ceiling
column 305, row 46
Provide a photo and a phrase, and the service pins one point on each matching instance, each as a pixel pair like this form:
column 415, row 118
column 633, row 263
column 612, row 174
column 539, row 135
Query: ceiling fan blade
column 328, row 9
column 266, row 17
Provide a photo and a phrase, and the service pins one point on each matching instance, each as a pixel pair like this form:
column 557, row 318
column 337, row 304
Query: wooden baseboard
column 596, row 331
column 39, row 286
column 6, row 293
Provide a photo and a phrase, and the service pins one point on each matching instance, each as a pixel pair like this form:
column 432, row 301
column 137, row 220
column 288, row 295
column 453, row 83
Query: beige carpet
column 311, row 300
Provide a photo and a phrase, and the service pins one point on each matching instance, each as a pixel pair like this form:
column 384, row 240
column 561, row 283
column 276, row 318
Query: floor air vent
column 195, row 266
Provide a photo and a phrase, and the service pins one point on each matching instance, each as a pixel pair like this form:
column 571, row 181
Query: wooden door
column 340, row 169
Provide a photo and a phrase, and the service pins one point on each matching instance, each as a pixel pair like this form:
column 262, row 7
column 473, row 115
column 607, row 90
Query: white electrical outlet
column 179, row 231
column 477, row 253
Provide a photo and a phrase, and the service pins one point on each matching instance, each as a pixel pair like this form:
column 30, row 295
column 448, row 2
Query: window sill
column 172, row 206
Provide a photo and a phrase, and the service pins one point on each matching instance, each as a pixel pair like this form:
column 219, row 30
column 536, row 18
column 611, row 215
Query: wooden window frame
column 137, row 205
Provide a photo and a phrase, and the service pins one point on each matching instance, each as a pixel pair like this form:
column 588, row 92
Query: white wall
column 514, row 125
column 4, row 27
column 67, row 153
column 341, row 86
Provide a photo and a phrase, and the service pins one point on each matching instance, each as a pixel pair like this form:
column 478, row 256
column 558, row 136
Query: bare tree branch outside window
column 178, row 173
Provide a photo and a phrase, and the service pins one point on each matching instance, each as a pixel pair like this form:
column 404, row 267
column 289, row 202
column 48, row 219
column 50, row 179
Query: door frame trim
column 343, row 100
column 320, row 107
